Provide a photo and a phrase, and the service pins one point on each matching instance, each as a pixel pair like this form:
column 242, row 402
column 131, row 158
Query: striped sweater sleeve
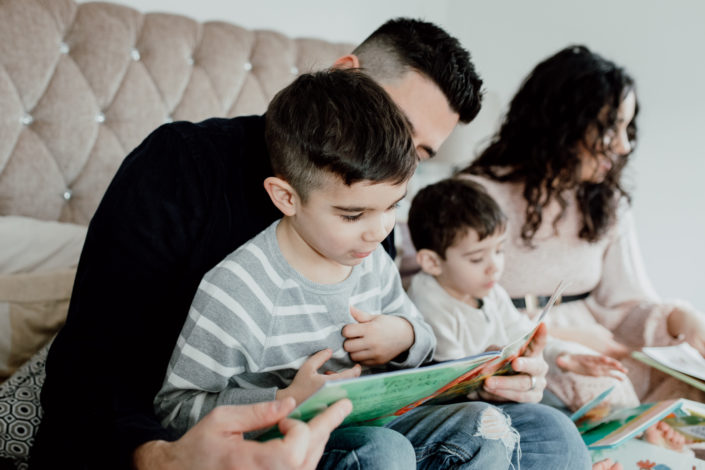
column 224, row 337
column 396, row 302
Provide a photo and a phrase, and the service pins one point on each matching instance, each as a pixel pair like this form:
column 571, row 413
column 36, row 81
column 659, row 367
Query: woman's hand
column 689, row 325
column 590, row 364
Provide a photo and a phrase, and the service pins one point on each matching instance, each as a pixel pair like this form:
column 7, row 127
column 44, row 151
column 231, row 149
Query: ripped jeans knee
column 495, row 425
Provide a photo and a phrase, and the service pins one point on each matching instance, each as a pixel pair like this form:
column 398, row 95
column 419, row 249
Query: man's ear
column 282, row 195
column 350, row 61
column 429, row 261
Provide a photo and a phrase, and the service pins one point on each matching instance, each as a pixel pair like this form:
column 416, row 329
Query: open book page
column 682, row 357
column 383, row 395
column 593, row 411
column 689, row 420
column 640, row 455
column 697, row 383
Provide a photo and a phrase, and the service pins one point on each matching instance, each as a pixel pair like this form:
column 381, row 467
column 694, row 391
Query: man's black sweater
column 180, row 202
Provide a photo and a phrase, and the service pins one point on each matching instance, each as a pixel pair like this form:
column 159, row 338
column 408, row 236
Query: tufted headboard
column 83, row 84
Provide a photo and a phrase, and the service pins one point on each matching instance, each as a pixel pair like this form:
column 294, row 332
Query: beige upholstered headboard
column 83, row 84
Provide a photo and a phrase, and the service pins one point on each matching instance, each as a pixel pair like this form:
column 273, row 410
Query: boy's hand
column 589, row 364
column 308, row 380
column 376, row 339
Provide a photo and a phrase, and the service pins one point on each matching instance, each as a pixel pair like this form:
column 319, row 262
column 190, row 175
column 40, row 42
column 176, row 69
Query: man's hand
column 217, row 442
column 376, row 339
column 521, row 387
column 590, row 364
column 307, row 380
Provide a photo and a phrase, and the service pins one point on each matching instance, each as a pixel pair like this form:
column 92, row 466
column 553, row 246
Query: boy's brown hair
column 443, row 212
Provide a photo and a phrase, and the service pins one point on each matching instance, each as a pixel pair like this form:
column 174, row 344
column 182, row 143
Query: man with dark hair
column 187, row 196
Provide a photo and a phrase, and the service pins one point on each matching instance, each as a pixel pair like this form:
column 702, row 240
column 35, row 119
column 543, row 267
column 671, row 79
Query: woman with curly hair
column 555, row 167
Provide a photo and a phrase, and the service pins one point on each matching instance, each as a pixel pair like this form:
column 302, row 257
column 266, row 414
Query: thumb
column 242, row 418
column 359, row 315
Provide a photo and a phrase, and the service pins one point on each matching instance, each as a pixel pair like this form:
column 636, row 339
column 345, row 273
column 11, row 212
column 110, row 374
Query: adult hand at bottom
column 217, row 441
column 528, row 384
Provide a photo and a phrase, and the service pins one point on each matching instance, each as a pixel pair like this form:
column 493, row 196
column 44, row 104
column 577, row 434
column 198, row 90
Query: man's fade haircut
column 443, row 212
column 405, row 44
column 339, row 122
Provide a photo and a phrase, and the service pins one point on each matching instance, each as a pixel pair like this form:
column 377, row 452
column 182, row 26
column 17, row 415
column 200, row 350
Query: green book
column 381, row 397
column 607, row 429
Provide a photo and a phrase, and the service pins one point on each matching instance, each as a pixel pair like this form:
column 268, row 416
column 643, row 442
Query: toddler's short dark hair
column 443, row 212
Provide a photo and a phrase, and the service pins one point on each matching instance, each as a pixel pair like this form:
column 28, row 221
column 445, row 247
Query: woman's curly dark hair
column 538, row 142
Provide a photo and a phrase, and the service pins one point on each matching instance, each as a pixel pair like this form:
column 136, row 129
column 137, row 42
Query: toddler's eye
column 351, row 218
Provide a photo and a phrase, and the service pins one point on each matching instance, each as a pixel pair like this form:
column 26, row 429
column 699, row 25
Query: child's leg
column 477, row 435
column 367, row 447
column 467, row 435
column 548, row 438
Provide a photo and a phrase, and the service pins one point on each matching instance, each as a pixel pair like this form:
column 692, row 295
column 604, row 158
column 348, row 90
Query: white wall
column 660, row 43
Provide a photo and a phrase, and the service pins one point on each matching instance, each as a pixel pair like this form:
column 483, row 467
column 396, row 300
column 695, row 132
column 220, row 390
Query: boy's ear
column 282, row 195
column 429, row 261
column 350, row 61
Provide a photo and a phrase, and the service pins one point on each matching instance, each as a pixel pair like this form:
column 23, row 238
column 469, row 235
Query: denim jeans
column 466, row 435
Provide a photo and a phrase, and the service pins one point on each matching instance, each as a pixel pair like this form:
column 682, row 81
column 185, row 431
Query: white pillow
column 30, row 245
column 37, row 268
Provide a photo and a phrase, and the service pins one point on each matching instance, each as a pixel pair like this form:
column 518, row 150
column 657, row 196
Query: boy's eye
column 476, row 260
column 351, row 218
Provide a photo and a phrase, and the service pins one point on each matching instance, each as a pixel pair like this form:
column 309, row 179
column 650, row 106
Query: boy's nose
column 378, row 231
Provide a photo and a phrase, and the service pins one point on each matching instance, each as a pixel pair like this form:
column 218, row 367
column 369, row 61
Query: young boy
column 314, row 297
column 458, row 231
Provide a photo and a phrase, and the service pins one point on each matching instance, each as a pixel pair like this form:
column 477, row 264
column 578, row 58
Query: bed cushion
column 37, row 267
column 20, row 411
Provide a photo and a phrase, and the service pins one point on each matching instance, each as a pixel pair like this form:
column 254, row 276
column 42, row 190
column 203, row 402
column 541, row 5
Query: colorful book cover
column 637, row 454
column 622, row 425
column 380, row 397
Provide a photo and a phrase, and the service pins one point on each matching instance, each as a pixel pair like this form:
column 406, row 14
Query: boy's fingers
column 354, row 345
column 360, row 316
column 317, row 360
column 353, row 330
column 346, row 374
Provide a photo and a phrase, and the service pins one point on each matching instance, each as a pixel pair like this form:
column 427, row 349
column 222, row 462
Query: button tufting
column 100, row 118
column 64, row 48
column 294, row 70
column 67, row 195
column 190, row 61
column 248, row 66
column 135, row 54
column 168, row 119
column 27, row 119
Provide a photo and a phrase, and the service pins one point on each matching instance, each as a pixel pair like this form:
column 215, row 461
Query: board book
column 381, row 397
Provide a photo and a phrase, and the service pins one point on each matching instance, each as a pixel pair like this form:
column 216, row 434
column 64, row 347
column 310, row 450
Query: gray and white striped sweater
column 255, row 320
